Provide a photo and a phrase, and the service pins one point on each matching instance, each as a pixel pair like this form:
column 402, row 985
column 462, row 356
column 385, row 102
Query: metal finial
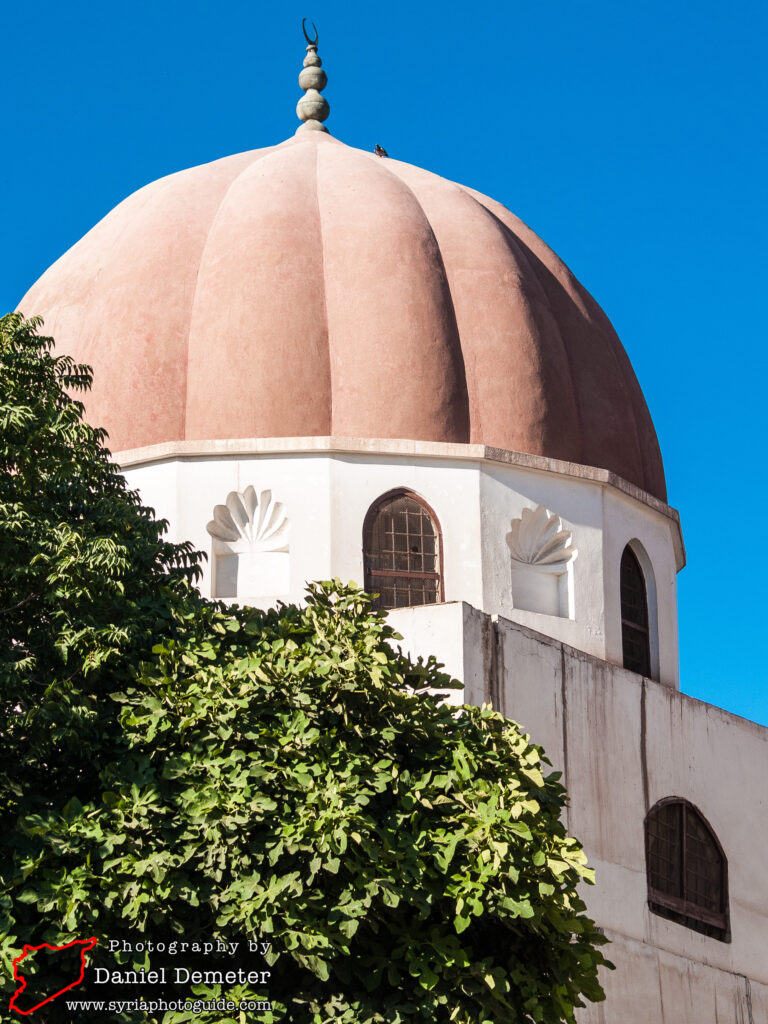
column 312, row 109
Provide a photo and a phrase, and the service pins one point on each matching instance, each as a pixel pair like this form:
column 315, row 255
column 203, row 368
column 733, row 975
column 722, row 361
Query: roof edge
column 332, row 444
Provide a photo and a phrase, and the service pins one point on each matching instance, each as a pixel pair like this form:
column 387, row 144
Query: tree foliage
column 172, row 768
column 87, row 579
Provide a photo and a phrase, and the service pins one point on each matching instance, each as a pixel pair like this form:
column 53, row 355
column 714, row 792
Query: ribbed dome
column 313, row 289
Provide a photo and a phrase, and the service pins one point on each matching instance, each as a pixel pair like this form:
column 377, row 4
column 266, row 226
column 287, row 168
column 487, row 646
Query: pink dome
column 313, row 289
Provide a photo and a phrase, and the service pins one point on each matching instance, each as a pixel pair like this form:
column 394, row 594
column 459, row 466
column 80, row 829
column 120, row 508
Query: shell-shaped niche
column 541, row 561
column 251, row 557
column 538, row 538
column 250, row 519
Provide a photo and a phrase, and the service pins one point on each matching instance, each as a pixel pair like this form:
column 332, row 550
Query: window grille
column 635, row 637
column 687, row 870
column 402, row 552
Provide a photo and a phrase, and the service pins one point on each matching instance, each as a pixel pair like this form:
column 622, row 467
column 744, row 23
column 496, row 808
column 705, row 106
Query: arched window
column 687, row 869
column 635, row 634
column 402, row 551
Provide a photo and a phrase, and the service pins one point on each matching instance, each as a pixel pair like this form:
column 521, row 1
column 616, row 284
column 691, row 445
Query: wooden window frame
column 370, row 574
column 680, row 909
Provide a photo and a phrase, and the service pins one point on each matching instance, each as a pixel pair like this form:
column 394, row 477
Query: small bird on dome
column 380, row 151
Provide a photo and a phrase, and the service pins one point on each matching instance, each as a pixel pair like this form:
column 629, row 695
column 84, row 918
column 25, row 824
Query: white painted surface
column 325, row 496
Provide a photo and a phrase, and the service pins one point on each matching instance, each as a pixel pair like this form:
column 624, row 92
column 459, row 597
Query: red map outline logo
column 85, row 943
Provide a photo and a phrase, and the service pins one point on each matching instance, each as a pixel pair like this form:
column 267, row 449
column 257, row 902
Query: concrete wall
column 623, row 743
column 652, row 986
column 477, row 499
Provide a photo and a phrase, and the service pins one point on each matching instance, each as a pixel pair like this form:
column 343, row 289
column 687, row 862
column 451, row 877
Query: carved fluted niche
column 250, row 546
column 541, row 561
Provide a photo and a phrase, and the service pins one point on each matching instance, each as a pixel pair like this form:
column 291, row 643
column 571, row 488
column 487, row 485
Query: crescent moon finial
column 312, row 42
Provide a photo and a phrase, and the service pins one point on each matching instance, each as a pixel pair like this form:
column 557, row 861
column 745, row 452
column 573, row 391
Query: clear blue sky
column 631, row 137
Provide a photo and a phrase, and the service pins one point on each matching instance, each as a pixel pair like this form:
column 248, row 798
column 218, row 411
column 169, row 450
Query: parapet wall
column 623, row 743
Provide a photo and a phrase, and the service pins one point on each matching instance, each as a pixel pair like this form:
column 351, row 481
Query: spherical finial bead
column 312, row 106
column 313, row 78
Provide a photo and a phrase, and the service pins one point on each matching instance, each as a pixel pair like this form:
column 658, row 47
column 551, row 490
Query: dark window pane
column 703, row 870
column 686, row 870
column 634, row 616
column 665, row 850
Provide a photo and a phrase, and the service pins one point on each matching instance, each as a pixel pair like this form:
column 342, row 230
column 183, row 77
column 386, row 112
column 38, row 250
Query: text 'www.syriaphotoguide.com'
column 155, row 1005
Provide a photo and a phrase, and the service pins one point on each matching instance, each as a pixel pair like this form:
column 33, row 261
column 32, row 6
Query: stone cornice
column 401, row 447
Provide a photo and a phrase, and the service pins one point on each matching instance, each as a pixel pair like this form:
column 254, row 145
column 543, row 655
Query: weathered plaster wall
column 653, row 986
column 623, row 743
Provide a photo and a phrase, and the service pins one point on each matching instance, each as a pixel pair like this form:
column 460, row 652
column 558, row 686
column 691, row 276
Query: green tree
column 86, row 579
column 174, row 769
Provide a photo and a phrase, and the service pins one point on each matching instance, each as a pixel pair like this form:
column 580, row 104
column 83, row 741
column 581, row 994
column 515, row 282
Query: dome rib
column 258, row 342
column 257, row 155
column 326, row 324
column 91, row 284
column 534, row 264
column 529, row 391
column 570, row 428
column 454, row 337
column 399, row 170
column 610, row 436
column 395, row 352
